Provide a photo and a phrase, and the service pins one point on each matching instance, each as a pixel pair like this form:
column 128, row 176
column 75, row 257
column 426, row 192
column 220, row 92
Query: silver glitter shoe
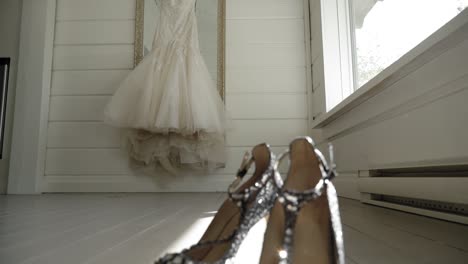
column 304, row 225
column 246, row 205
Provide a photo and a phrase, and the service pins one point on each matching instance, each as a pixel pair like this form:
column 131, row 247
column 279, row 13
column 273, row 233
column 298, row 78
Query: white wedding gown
column 169, row 101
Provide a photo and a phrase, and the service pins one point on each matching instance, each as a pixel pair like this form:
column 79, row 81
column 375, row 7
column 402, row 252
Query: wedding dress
column 169, row 101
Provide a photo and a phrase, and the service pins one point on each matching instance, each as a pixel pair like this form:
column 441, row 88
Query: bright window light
column 385, row 30
column 191, row 235
column 249, row 251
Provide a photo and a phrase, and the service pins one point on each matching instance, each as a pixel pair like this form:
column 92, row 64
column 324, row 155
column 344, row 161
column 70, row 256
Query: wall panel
column 95, row 32
column 266, row 80
column 95, row 10
column 85, row 82
column 93, row 57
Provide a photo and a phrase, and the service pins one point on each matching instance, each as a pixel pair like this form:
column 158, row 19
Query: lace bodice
column 177, row 23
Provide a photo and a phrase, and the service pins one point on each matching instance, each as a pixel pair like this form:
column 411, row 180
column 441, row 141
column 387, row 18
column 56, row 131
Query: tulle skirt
column 172, row 109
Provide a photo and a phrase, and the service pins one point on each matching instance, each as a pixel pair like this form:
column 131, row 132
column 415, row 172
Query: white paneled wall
column 266, row 87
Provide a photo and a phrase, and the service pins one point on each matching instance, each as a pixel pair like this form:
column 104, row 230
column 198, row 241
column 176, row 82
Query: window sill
column 448, row 36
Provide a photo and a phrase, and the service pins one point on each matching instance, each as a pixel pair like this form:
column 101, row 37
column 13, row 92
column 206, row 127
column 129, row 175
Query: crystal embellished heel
column 304, row 225
column 246, row 205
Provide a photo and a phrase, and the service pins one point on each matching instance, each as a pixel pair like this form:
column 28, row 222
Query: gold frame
column 139, row 29
column 221, row 72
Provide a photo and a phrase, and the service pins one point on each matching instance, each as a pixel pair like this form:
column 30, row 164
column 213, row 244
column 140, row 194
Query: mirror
column 211, row 34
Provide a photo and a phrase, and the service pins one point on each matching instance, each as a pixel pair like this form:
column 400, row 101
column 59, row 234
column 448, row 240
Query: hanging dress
column 169, row 102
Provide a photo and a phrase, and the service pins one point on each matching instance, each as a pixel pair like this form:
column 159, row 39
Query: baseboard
column 132, row 184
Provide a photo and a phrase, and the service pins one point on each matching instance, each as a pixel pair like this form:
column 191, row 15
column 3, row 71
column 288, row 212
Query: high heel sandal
column 304, row 225
column 246, row 205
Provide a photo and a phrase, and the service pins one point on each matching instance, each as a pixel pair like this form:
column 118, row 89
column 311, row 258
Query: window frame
column 449, row 34
column 352, row 43
column 337, row 66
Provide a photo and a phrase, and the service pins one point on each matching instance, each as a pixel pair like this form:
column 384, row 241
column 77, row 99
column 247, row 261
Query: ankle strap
column 241, row 198
column 328, row 171
column 246, row 163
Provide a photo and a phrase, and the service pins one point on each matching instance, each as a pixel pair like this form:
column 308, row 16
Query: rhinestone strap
column 293, row 201
column 242, row 198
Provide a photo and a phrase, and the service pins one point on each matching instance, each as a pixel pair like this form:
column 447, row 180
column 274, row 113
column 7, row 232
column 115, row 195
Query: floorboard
column 138, row 228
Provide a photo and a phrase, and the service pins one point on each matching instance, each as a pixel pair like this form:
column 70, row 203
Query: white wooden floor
column 137, row 228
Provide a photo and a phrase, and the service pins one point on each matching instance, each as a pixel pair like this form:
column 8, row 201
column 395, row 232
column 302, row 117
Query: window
column 361, row 38
column 382, row 31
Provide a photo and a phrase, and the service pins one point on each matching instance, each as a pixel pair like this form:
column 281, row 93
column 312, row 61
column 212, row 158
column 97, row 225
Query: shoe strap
column 293, row 201
column 241, row 198
column 328, row 171
column 246, row 163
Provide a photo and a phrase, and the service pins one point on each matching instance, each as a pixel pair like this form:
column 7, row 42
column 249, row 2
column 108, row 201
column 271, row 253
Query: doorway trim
column 29, row 138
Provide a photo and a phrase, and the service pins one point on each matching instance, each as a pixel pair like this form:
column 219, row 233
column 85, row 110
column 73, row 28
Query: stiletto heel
column 246, row 205
column 304, row 225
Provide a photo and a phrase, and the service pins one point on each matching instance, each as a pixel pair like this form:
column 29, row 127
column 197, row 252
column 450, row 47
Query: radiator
column 440, row 192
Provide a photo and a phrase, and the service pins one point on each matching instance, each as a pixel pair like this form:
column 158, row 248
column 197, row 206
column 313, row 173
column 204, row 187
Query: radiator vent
column 451, row 208
column 435, row 191
column 426, row 172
